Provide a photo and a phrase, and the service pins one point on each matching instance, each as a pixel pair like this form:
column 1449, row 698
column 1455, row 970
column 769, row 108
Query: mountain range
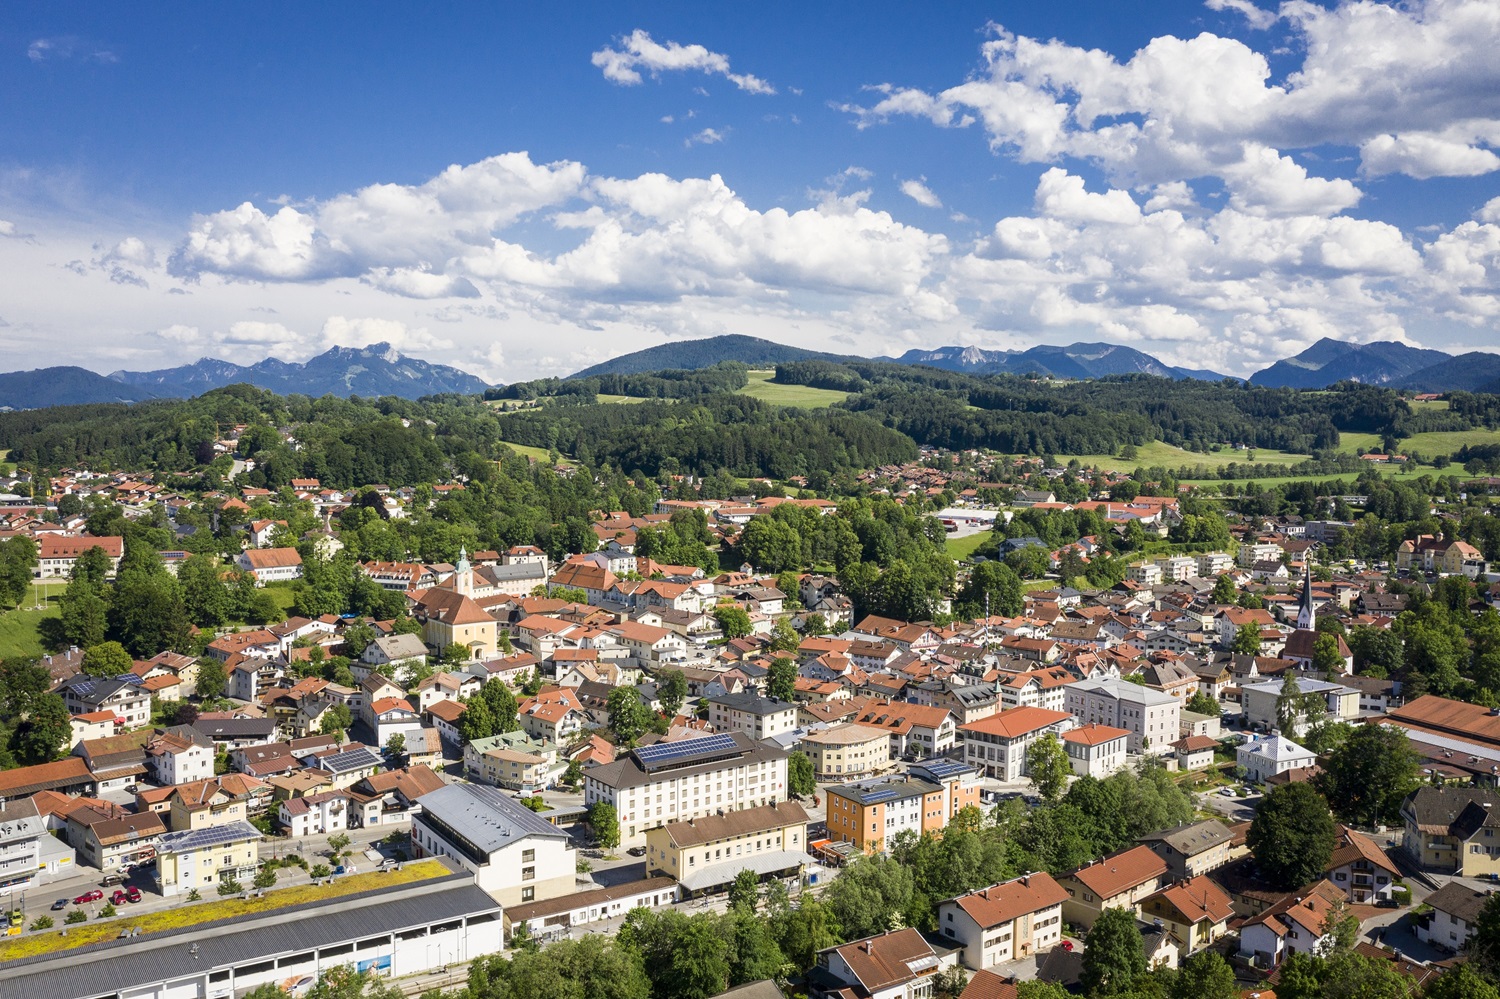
column 370, row 371
column 1076, row 360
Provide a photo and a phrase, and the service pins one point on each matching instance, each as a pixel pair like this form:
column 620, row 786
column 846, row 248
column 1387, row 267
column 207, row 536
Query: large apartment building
column 687, row 779
column 1004, row 922
column 871, row 813
column 1150, row 716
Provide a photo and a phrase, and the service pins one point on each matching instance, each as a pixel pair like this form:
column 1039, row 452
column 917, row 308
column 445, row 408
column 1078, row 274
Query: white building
column 1265, row 758
column 687, row 779
column 998, row 744
column 312, row 814
column 1455, row 911
column 758, row 717
column 1095, row 750
column 1004, row 922
column 515, row 855
column 1340, row 704
column 1150, row 716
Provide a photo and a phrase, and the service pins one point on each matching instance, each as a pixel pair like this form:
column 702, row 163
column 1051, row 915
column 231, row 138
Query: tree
column 1112, row 952
column 733, row 620
column 994, row 580
column 605, row 822
column 84, row 613
column 1369, row 775
column 265, row 878
column 107, row 659
column 1224, row 590
column 1462, row 982
column 46, row 732
column 1201, row 703
column 628, row 714
column 1327, row 659
column 336, row 721
column 800, row 777
column 395, row 746
column 211, row 680
column 205, row 597
column 744, row 890
column 1484, row 942
column 1290, row 705
column 870, row 896
column 1205, row 975
column 1292, row 836
column 782, row 682
column 337, row 844
column 1246, row 640
column 814, row 624
column 1048, row 766
column 18, row 557
column 671, row 690
column 784, row 637
column 229, row 886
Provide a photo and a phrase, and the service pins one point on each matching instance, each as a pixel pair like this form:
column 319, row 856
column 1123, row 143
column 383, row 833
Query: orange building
column 871, row 813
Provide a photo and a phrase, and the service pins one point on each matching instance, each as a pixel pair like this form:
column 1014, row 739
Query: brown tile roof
column 741, row 822
column 1093, row 734
column 1121, row 872
column 1198, row 898
column 26, row 781
column 1000, row 904
column 988, row 985
column 885, row 961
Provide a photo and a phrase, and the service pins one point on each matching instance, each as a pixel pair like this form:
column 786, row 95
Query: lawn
column 19, row 635
column 534, row 453
column 1430, row 445
column 1168, row 456
column 182, row 915
column 761, row 387
column 284, row 595
column 962, row 548
column 606, row 397
column 1353, row 443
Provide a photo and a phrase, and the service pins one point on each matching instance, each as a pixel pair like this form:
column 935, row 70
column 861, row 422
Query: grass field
column 1352, row 443
column 761, row 387
column 100, row 930
column 1448, row 441
column 1438, row 405
column 19, row 635
column 535, row 453
column 1157, row 453
column 605, row 397
column 284, row 595
column 962, row 548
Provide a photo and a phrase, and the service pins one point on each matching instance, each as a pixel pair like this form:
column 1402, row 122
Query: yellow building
column 845, row 750
column 709, row 852
column 451, row 617
column 202, row 859
column 1196, row 912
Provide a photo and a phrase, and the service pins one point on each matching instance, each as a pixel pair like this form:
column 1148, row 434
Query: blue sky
column 520, row 193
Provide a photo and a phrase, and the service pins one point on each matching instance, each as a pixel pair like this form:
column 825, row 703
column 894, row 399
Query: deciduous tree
column 1292, row 836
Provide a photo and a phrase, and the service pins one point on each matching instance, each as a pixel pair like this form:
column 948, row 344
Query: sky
column 523, row 190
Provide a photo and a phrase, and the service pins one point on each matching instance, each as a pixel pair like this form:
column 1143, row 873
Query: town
column 986, row 726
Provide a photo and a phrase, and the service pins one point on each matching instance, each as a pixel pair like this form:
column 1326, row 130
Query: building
column 180, row 757
column 758, row 717
column 271, row 565
column 915, row 730
column 513, row 760
column 56, row 554
column 898, row 964
column 1360, row 868
column 1455, row 913
column 1004, row 922
column 706, row 854
column 1121, row 881
column 406, row 930
column 1096, row 750
column 110, row 842
column 22, row 832
column 390, row 653
column 122, row 696
column 1293, row 925
column 1195, row 752
column 555, row 917
column 325, row 812
column 1453, row 829
column 516, row 856
column 1264, row 758
column 204, row 858
column 998, row 744
column 1341, row 704
column 842, row 751
column 452, row 617
column 1195, row 911
column 870, row 813
column 1150, row 716
column 687, row 779
column 1193, row 849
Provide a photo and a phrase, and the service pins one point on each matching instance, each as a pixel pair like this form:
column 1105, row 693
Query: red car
column 88, row 896
column 118, row 898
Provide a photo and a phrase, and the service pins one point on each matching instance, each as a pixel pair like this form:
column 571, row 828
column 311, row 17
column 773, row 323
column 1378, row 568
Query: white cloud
column 340, row 331
column 1425, row 156
column 1256, row 17
column 707, row 137
column 1490, row 212
column 639, row 51
column 918, row 191
column 62, row 47
column 7, row 227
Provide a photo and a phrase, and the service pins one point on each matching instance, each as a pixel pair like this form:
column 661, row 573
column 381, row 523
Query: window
column 528, row 874
column 527, row 856
column 528, row 894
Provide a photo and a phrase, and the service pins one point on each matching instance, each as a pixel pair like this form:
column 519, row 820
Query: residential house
column 1360, row 867
column 114, row 841
column 555, row 715
column 998, row 743
column 392, row 653
column 124, row 696
column 180, row 756
column 271, row 565
column 758, row 717
column 1265, row 757
column 1195, row 911
column 1122, row 880
column 202, row 859
column 1004, row 922
column 1095, row 750
column 1455, row 830
column 1296, row 924
column 897, row 964
column 314, row 814
column 1196, row 752
column 915, row 730
column 1455, row 915
column 1193, row 848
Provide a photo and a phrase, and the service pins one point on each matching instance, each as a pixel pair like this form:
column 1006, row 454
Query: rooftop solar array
column 664, row 753
column 351, row 759
column 940, row 767
column 84, row 686
column 208, row 837
column 875, row 797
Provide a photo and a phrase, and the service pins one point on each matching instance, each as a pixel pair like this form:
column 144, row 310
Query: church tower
column 1306, row 617
column 463, row 575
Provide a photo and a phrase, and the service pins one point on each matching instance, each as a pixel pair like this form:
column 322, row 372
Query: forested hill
column 695, row 354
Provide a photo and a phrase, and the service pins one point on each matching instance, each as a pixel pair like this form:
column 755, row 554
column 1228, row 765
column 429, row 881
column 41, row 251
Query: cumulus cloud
column 707, row 137
column 341, row 331
column 7, row 227
column 1414, row 87
column 638, row 51
column 1256, row 17
column 918, row 191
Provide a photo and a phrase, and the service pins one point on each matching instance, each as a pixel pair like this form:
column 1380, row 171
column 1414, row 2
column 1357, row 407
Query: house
column 871, row 813
column 212, row 802
column 271, row 565
column 1192, row 849
column 1150, row 716
column 391, row 653
column 914, row 729
column 1004, row 922
column 555, row 715
column 1340, row 704
column 1095, row 750
column 1265, row 757
column 180, row 756
column 841, row 751
column 514, row 761
column 706, row 854
column 202, row 859
column 1293, row 925
column 515, row 855
column 1360, row 868
column 115, row 761
column 1453, row 829
column 111, row 842
column 1455, row 914
column 56, row 554
column 23, row 840
column 392, row 716
column 1196, row 752
column 314, row 814
column 758, row 717
column 391, row 798
column 124, row 696
column 897, row 964
column 1122, row 880
column 1194, row 911
column 998, row 744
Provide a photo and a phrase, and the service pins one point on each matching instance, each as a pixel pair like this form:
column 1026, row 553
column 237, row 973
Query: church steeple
column 1307, row 618
column 463, row 574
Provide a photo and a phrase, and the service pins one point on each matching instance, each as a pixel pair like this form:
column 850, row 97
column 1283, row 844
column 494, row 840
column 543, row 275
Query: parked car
column 1227, row 792
column 111, row 880
column 637, row 851
column 16, row 918
column 61, row 903
column 133, row 893
column 89, row 896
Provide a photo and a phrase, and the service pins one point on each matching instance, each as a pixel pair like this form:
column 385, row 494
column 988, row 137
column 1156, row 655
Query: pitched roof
column 1016, row 722
column 1353, row 845
column 1460, row 900
column 1002, row 903
column 1198, row 898
column 740, row 822
column 1192, row 838
column 1123, row 871
column 1094, row 734
column 894, row 957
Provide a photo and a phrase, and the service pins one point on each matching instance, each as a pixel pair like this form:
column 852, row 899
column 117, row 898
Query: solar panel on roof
column 879, row 796
column 941, row 767
column 655, row 756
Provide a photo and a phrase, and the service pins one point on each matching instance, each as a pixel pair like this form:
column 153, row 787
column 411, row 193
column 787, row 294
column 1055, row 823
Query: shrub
column 41, row 923
column 230, row 887
column 320, row 871
column 265, row 878
column 107, row 911
column 76, row 916
column 195, row 895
